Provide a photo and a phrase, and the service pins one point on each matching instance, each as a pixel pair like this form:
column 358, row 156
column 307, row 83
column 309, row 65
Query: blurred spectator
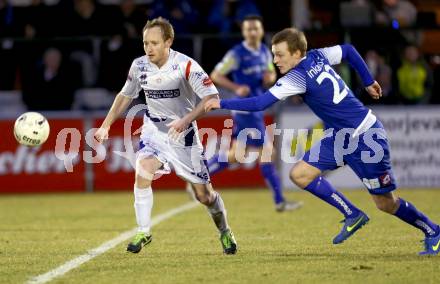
column 9, row 27
column 133, row 19
column 356, row 13
column 435, row 65
column 414, row 78
column 34, row 25
column 87, row 18
column 220, row 16
column 245, row 8
column 381, row 72
column 50, row 84
column 226, row 16
column 9, row 23
column 117, row 53
column 181, row 14
column 301, row 14
column 397, row 13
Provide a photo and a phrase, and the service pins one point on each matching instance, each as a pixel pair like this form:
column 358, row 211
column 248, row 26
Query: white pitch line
column 74, row 263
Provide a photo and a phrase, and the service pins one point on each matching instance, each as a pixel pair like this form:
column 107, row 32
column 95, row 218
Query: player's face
column 252, row 31
column 155, row 47
column 282, row 57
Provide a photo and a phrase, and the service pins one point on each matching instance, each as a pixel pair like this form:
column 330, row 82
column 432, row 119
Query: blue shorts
column 370, row 160
column 254, row 125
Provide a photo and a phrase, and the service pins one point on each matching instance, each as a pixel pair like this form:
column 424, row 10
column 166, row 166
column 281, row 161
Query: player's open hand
column 178, row 125
column 212, row 104
column 242, row 91
column 178, row 128
column 374, row 90
column 101, row 134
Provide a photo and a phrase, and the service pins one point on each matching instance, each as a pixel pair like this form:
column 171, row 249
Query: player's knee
column 204, row 198
column 141, row 182
column 299, row 177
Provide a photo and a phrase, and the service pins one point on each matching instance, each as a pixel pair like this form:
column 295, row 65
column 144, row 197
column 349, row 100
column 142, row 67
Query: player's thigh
column 318, row 159
column 375, row 173
column 190, row 164
column 146, row 167
column 321, row 155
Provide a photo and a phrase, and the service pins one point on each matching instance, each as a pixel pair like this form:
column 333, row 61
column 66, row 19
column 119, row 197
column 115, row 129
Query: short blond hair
column 295, row 39
column 164, row 25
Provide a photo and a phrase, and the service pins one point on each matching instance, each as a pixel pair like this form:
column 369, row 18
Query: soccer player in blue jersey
column 310, row 75
column 250, row 66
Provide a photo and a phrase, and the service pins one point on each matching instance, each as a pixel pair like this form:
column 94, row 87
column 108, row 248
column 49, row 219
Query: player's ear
column 169, row 42
column 297, row 53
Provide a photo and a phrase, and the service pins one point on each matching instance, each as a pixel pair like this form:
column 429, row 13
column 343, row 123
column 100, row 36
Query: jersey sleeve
column 132, row 86
column 199, row 81
column 291, row 84
column 229, row 63
column 333, row 54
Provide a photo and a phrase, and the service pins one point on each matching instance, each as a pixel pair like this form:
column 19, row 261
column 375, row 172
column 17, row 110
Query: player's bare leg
column 143, row 202
column 220, row 163
column 309, row 178
column 407, row 212
column 216, row 208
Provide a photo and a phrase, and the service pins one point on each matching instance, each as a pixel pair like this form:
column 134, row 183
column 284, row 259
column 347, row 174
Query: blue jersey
column 324, row 91
column 331, row 100
column 247, row 66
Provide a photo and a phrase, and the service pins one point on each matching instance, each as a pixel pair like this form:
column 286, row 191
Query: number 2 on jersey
column 333, row 77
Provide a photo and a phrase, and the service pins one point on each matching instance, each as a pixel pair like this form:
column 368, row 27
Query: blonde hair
column 164, row 25
column 295, row 39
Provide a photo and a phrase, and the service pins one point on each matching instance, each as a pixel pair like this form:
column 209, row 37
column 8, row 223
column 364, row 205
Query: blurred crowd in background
column 75, row 54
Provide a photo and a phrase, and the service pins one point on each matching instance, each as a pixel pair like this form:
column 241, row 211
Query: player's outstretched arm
column 182, row 124
column 353, row 57
column 356, row 61
column 257, row 103
column 119, row 105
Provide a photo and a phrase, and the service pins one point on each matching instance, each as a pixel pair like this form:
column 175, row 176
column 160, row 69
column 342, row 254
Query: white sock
column 143, row 203
column 218, row 213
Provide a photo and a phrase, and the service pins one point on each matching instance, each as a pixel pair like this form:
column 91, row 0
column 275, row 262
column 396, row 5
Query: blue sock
column 272, row 179
column 409, row 214
column 215, row 166
column 322, row 189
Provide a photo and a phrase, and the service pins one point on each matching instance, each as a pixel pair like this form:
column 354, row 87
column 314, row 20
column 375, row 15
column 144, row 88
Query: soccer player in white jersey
column 170, row 81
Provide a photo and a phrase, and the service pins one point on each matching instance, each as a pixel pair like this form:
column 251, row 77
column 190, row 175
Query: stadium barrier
column 413, row 136
column 40, row 169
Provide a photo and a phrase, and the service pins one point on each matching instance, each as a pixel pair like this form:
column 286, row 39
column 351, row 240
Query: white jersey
column 170, row 91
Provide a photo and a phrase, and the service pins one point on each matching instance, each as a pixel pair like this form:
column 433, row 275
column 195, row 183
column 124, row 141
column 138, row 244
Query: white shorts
column 189, row 162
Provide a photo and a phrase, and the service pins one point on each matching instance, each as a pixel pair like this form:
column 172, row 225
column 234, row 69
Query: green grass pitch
column 41, row 232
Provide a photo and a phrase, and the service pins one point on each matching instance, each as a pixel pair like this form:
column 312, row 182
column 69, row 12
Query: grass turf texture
column 41, row 232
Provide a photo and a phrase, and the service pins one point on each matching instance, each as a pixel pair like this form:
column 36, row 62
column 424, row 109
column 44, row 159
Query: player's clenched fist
column 101, row 134
column 374, row 90
column 212, row 104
